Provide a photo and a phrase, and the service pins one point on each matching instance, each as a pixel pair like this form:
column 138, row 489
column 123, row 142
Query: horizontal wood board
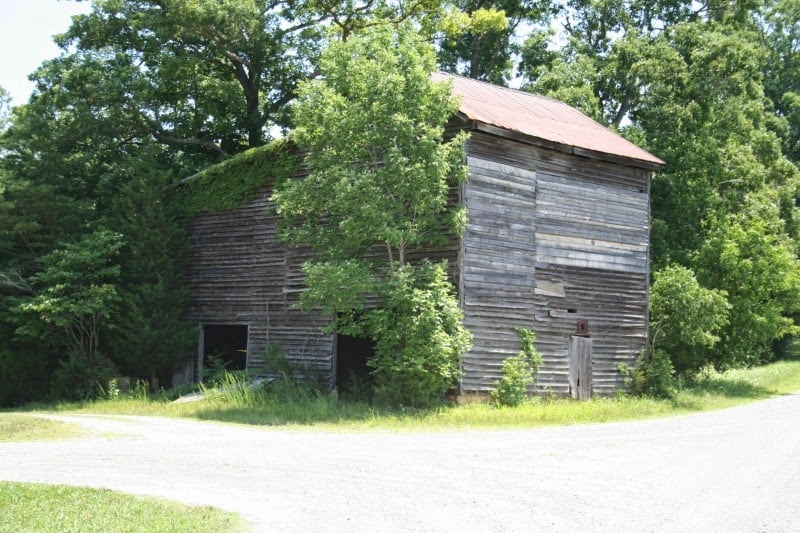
column 240, row 273
column 587, row 260
column 552, row 238
column 498, row 264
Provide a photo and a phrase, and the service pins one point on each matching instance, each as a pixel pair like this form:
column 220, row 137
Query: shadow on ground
column 730, row 388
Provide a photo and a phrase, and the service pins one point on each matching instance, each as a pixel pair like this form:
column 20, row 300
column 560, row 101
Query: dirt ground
column 736, row 470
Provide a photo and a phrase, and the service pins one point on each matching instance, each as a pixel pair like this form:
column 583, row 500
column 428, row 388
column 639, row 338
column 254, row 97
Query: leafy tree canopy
column 379, row 168
column 379, row 176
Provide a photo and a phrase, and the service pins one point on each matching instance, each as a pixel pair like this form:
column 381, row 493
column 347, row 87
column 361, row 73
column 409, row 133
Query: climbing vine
column 237, row 180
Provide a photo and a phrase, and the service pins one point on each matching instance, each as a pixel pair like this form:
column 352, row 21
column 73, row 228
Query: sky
column 27, row 28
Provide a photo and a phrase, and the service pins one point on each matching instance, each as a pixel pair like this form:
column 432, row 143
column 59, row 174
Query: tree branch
column 12, row 282
column 159, row 133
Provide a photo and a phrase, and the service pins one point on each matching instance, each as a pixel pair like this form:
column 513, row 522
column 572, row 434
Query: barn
column 557, row 242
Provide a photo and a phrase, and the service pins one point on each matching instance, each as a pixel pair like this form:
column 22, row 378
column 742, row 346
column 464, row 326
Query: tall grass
column 282, row 402
column 290, row 404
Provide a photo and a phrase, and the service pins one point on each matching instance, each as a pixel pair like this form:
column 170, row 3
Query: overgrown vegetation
column 233, row 182
column 292, row 404
column 518, row 371
column 380, row 172
column 58, row 508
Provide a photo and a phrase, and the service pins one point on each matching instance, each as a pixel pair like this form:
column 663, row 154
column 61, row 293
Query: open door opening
column 228, row 344
column 352, row 354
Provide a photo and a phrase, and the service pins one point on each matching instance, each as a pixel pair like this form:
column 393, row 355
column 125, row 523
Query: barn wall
column 552, row 238
column 498, row 260
column 584, row 224
column 239, row 273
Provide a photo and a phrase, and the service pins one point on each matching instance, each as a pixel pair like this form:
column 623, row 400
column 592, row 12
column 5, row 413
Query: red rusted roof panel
column 540, row 117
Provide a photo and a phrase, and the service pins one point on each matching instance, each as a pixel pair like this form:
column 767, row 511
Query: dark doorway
column 228, row 344
column 352, row 354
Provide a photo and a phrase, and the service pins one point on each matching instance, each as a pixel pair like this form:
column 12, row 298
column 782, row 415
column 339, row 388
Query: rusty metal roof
column 541, row 118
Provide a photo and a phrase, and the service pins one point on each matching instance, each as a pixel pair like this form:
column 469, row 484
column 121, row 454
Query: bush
column 518, row 371
column 654, row 376
column 419, row 337
column 512, row 389
column 686, row 318
column 23, row 378
column 81, row 378
column 747, row 254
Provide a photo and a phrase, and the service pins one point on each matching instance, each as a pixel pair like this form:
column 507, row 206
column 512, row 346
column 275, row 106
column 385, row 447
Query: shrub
column 512, row 389
column 419, row 337
column 23, row 378
column 685, row 318
column 518, row 371
column 80, row 378
column 275, row 362
column 654, row 376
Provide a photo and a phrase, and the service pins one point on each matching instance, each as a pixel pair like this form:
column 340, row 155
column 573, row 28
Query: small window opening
column 572, row 310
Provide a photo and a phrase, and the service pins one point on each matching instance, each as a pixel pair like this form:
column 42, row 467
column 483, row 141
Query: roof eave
column 651, row 165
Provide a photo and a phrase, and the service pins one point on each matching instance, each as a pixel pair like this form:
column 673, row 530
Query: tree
column 149, row 337
column 206, row 74
column 75, row 294
column 173, row 85
column 5, row 105
column 781, row 32
column 749, row 256
column 685, row 318
column 418, row 334
column 379, row 171
column 377, row 187
column 217, row 76
column 484, row 44
column 78, row 292
column 686, row 80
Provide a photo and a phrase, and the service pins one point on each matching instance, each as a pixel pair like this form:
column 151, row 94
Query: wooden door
column 580, row 367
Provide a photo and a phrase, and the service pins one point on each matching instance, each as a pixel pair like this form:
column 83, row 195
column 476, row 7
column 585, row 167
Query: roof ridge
column 541, row 117
column 512, row 89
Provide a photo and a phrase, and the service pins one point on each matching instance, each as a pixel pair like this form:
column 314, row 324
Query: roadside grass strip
column 19, row 427
column 295, row 406
column 39, row 508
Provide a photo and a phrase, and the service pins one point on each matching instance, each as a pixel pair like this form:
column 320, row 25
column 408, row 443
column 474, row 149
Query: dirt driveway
column 727, row 471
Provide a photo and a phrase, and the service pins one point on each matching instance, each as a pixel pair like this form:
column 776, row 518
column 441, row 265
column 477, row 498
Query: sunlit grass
column 20, row 427
column 292, row 405
column 32, row 507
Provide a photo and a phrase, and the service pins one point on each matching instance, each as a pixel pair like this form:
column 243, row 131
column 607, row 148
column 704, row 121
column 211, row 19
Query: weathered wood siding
column 498, row 262
column 552, row 238
column 239, row 273
column 583, row 227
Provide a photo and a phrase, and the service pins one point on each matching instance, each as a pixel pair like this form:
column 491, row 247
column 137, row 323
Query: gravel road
column 728, row 471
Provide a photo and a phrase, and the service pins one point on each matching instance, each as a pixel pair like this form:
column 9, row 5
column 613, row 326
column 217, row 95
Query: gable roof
column 536, row 117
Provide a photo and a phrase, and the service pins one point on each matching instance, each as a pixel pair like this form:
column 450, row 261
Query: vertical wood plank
column 201, row 349
column 580, row 367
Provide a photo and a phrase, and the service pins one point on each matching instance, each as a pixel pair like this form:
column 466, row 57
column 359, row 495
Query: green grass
column 32, row 507
column 19, row 427
column 292, row 406
column 712, row 390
